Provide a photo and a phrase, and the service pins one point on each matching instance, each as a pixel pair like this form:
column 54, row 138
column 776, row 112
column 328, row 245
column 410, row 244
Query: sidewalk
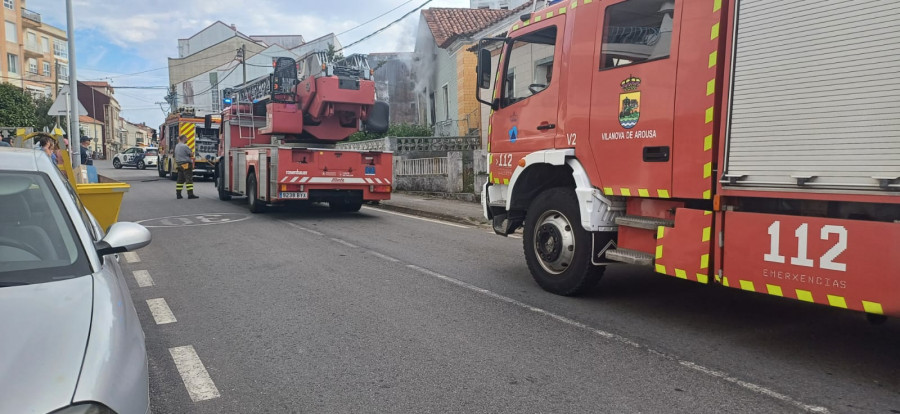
column 435, row 207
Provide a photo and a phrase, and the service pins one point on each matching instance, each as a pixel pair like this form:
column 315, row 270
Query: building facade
column 35, row 54
column 395, row 84
column 99, row 101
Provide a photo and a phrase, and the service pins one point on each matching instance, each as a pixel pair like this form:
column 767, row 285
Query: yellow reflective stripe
column 660, row 232
column 706, row 232
column 715, row 32
column 748, row 286
column 710, row 87
column 608, row 191
column 663, row 193
column 704, row 261
column 661, row 269
column 659, row 252
column 717, row 5
column 707, row 170
column 707, row 194
column 506, row 181
column 713, row 59
column 626, row 192
column 804, row 295
column 643, row 192
column 702, row 278
column 709, row 114
column 707, row 143
column 774, row 290
column 681, row 274
column 837, row 301
column 872, row 307
column 725, row 282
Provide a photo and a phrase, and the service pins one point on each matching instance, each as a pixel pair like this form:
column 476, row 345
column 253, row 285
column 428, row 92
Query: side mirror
column 484, row 69
column 123, row 237
column 207, row 121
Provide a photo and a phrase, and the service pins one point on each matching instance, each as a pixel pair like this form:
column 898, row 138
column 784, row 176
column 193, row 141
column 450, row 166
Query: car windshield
column 38, row 242
column 151, row 152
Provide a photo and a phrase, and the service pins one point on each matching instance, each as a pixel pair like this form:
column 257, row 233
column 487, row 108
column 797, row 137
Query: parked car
column 71, row 340
column 138, row 157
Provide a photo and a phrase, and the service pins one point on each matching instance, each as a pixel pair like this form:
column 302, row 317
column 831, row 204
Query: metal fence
column 405, row 145
column 423, row 166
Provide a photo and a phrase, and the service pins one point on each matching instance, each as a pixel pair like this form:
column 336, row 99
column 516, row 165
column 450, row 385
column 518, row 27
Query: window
column 9, row 4
column 46, row 68
column 60, row 49
column 45, row 44
column 32, row 66
column 12, row 35
column 531, row 60
column 446, row 90
column 62, row 71
column 636, row 31
column 12, row 63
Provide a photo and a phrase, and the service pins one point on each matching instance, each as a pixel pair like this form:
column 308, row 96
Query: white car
column 138, row 157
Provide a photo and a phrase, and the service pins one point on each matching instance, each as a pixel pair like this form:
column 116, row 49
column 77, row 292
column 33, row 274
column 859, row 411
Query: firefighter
column 185, row 161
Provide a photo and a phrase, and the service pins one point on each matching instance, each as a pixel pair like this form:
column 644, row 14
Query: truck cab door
column 528, row 96
column 633, row 96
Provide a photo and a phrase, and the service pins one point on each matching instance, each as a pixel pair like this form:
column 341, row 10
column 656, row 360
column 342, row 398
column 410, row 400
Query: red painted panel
column 846, row 263
column 684, row 250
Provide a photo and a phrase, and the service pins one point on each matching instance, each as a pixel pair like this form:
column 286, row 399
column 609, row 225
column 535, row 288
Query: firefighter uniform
column 185, row 167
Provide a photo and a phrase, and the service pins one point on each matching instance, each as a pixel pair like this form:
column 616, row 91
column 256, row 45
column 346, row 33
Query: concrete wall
column 211, row 35
column 182, row 69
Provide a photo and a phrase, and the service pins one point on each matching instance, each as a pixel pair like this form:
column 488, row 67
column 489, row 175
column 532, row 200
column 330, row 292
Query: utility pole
column 74, row 133
column 244, row 60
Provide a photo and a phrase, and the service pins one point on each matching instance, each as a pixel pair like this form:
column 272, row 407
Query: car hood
column 43, row 334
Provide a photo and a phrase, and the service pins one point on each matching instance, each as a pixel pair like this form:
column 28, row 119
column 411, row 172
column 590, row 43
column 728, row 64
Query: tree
column 333, row 54
column 42, row 119
column 395, row 130
column 17, row 107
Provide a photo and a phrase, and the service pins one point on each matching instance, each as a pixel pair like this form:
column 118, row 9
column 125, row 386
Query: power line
column 165, row 67
column 376, row 18
column 385, row 27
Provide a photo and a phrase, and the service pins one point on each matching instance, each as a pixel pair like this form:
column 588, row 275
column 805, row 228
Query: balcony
column 30, row 18
column 33, row 49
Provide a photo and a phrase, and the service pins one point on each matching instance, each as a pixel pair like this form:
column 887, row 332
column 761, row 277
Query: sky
column 115, row 39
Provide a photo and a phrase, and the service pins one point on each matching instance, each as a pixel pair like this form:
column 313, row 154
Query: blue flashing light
column 228, row 101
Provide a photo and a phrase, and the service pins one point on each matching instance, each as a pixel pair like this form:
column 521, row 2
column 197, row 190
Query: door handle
column 545, row 126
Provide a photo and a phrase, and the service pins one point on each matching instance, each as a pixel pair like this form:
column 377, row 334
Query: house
column 98, row 98
column 446, row 67
column 34, row 54
column 93, row 129
column 394, row 84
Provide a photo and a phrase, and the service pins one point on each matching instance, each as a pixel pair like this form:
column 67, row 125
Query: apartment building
column 36, row 54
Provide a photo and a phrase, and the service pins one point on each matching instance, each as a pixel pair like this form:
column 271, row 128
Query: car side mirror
column 484, row 69
column 123, row 237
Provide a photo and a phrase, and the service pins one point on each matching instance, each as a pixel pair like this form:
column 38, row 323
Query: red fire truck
column 753, row 144
column 279, row 132
column 202, row 138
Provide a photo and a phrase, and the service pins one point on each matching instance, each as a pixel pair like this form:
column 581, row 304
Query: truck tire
column 220, row 184
column 557, row 248
column 173, row 174
column 253, row 201
column 159, row 170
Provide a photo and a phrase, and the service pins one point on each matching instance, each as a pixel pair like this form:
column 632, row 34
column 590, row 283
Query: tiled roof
column 448, row 24
column 84, row 119
column 96, row 84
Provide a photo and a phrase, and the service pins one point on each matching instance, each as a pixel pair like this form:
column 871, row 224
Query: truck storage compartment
column 815, row 97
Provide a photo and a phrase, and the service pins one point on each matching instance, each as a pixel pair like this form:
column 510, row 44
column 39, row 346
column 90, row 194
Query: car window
column 151, row 152
column 38, row 240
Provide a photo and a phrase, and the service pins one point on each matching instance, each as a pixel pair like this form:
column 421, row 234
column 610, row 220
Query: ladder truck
column 278, row 135
column 751, row 144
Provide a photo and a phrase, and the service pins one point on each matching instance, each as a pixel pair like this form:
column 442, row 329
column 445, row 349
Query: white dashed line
column 132, row 257
column 383, row 256
column 446, row 223
column 143, row 278
column 348, row 244
column 196, row 379
column 297, row 226
column 161, row 312
column 623, row 340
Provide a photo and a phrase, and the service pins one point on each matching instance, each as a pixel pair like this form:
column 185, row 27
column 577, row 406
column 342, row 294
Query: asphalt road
column 308, row 311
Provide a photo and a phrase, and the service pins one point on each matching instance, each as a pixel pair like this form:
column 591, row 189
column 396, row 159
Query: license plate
column 294, row 195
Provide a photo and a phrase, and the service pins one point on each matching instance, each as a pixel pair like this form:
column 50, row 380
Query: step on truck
column 279, row 132
column 752, row 144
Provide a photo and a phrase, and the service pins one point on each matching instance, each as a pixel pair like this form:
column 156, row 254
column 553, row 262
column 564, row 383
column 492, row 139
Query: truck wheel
column 256, row 206
column 159, row 170
column 141, row 165
column 345, row 205
column 557, row 249
column 116, row 163
column 220, row 185
column 173, row 174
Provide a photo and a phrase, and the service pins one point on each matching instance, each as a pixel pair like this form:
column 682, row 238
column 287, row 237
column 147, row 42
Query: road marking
column 446, row 223
column 623, row 340
column 297, row 226
column 132, row 257
column 189, row 220
column 161, row 312
column 383, row 256
column 143, row 278
column 348, row 244
column 196, row 379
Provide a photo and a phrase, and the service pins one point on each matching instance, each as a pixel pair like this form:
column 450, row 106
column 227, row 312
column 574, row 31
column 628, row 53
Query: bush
column 395, row 130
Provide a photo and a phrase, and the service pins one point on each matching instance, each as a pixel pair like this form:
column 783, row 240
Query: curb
column 471, row 221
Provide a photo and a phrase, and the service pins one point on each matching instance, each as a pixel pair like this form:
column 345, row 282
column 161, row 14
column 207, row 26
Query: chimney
column 233, row 27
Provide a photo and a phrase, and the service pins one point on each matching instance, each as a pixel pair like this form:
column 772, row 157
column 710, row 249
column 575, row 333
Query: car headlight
column 87, row 408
